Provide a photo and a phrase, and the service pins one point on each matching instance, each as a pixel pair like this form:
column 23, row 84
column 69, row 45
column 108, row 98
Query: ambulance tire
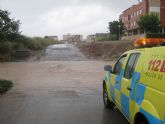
column 107, row 103
column 140, row 119
column 144, row 121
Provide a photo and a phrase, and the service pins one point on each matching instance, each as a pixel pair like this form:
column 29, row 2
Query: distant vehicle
column 136, row 85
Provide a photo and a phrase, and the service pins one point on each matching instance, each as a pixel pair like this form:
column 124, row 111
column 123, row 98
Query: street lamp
column 119, row 31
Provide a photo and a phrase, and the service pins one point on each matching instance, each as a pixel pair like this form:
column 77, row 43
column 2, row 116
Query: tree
column 149, row 23
column 116, row 28
column 9, row 28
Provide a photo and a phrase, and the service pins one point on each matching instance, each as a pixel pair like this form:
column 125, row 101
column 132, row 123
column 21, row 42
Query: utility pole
column 163, row 31
column 119, row 31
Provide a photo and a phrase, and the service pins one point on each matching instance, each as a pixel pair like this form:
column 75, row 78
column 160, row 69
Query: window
column 119, row 65
column 134, row 14
column 131, row 24
column 129, row 17
column 134, row 23
column 125, row 18
column 137, row 13
column 141, row 11
column 131, row 65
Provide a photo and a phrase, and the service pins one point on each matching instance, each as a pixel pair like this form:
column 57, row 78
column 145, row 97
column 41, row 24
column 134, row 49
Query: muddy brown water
column 55, row 92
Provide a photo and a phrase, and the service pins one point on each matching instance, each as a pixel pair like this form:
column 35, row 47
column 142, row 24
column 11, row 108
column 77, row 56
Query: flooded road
column 55, row 92
column 64, row 91
column 63, row 52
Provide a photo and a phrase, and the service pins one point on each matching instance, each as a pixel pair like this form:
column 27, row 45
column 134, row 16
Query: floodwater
column 64, row 91
column 63, row 52
column 55, row 92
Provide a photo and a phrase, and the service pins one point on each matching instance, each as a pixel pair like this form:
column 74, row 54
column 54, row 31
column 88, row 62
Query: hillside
column 109, row 50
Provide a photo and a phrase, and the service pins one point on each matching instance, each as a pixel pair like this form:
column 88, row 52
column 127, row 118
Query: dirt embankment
column 105, row 50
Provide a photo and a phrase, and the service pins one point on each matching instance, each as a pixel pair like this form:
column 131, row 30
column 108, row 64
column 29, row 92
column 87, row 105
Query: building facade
column 97, row 37
column 67, row 37
column 52, row 37
column 91, row 38
column 162, row 14
column 131, row 15
column 73, row 38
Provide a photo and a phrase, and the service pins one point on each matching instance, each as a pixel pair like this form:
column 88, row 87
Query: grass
column 5, row 86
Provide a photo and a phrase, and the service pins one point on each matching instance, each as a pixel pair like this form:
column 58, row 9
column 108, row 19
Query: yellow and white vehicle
column 136, row 85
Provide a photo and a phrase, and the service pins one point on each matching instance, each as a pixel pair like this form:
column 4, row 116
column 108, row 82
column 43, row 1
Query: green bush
column 36, row 43
column 8, row 49
column 113, row 37
column 5, row 86
column 5, row 48
column 149, row 23
column 103, row 38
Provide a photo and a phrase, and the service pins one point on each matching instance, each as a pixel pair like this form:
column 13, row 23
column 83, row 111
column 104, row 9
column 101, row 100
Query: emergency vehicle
column 136, row 84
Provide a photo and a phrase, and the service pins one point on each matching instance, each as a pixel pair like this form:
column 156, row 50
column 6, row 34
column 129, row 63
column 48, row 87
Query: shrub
column 5, row 86
column 8, row 48
column 149, row 23
column 5, row 48
column 103, row 38
column 16, row 46
column 113, row 37
column 36, row 43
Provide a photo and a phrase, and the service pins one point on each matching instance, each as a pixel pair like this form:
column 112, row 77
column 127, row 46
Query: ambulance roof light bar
column 149, row 42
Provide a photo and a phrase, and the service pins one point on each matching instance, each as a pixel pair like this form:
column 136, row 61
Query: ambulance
column 136, row 83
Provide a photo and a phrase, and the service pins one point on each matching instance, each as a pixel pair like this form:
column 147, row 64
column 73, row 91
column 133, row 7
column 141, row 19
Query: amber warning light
column 149, row 42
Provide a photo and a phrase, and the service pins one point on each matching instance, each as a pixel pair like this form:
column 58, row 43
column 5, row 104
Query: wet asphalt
column 56, row 92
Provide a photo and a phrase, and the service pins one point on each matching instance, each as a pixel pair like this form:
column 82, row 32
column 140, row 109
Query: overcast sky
column 58, row 17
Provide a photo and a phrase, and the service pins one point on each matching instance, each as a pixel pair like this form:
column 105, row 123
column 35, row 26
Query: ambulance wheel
column 140, row 119
column 107, row 103
column 143, row 121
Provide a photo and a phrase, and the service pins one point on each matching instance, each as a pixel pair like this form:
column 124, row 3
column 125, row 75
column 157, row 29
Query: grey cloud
column 35, row 7
column 33, row 14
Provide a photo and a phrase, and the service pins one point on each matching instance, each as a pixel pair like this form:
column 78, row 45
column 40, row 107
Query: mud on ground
column 105, row 50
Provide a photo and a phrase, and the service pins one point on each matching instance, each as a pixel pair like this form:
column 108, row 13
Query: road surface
column 55, row 92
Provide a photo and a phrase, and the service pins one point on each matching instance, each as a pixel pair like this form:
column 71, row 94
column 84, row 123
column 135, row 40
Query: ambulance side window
column 119, row 65
column 131, row 65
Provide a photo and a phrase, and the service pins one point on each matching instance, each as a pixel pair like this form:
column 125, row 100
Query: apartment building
column 131, row 15
column 96, row 37
column 91, row 38
column 73, row 38
column 162, row 14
